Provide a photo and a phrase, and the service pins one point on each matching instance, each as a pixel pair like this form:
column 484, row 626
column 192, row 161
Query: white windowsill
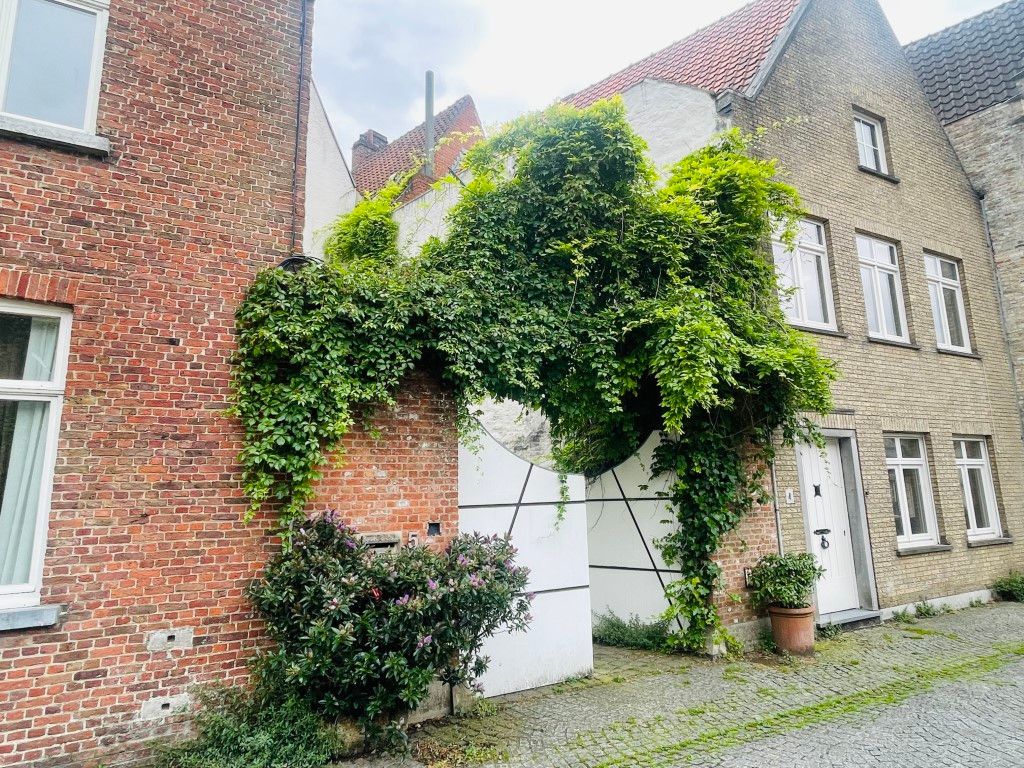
column 53, row 136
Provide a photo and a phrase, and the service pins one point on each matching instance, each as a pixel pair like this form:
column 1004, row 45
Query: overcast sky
column 512, row 55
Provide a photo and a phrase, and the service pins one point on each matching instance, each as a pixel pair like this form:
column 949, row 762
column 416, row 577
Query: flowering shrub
column 363, row 635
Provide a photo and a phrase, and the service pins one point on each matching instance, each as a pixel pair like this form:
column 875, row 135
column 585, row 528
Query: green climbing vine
column 570, row 281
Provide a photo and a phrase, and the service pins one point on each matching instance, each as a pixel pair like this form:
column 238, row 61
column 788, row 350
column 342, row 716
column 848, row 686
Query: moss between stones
column 913, row 683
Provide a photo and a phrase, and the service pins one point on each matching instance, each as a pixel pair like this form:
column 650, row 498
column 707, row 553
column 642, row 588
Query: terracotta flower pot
column 793, row 629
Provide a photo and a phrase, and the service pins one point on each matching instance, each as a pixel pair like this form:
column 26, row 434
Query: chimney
column 366, row 146
column 428, row 124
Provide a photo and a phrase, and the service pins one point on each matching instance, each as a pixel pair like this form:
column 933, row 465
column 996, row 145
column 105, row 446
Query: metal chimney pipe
column 428, row 148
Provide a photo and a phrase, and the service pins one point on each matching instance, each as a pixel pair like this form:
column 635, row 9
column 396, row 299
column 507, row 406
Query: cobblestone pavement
column 943, row 691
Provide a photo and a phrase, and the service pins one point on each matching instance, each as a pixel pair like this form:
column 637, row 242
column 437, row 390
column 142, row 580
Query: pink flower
column 431, row 585
column 403, row 600
column 424, row 641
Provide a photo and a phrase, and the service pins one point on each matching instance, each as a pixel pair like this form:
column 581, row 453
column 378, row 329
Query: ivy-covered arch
column 568, row 281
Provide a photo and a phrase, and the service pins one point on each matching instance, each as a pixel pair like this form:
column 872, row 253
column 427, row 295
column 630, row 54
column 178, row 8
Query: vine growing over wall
column 570, row 281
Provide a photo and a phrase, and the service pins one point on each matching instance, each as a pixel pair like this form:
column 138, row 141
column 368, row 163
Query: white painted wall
column 423, row 217
column 493, row 484
column 673, row 119
column 624, row 518
column 330, row 191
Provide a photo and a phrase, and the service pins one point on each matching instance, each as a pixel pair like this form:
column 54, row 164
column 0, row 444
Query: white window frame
column 877, row 266
column 866, row 128
column 798, row 299
column 974, row 533
column 52, row 392
column 8, row 15
column 937, row 282
column 898, row 464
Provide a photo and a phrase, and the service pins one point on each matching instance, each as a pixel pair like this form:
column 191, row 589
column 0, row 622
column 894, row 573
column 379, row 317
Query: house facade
column 918, row 492
column 152, row 160
column 973, row 76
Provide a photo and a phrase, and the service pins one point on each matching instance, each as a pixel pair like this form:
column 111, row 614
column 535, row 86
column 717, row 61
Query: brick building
column 973, row 76
column 151, row 162
column 920, row 490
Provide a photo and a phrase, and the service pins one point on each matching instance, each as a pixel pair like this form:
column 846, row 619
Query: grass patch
column 609, row 629
column 928, row 632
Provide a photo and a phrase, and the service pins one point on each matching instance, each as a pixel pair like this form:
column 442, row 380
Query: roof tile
column 972, row 66
column 725, row 54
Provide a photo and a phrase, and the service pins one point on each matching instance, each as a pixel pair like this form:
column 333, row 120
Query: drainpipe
column 428, row 124
column 778, row 512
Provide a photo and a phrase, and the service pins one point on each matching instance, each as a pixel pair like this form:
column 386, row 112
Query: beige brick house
column 920, row 489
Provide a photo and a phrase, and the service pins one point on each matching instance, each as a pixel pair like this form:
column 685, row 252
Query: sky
column 513, row 56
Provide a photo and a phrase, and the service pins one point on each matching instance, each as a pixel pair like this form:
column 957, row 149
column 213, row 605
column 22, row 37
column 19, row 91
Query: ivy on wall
column 569, row 281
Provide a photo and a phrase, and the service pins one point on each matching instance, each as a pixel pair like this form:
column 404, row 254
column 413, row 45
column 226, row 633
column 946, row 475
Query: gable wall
column 844, row 53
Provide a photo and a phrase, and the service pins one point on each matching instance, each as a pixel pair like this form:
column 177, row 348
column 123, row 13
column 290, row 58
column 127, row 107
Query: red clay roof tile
column 402, row 154
column 722, row 55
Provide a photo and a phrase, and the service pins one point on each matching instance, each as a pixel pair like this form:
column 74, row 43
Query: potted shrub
column 783, row 584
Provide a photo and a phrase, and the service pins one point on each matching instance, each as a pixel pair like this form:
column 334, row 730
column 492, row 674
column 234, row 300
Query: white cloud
column 369, row 57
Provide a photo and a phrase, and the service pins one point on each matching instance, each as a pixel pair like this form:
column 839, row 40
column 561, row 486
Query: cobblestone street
column 942, row 691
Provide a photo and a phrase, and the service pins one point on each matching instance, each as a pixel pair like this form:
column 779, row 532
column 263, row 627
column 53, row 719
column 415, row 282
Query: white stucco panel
column 673, row 119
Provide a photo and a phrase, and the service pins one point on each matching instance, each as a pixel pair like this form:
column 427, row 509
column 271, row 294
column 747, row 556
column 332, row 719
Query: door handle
column 823, row 532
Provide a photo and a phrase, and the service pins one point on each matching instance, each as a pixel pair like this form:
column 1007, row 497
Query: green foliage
column 925, row 610
column 903, row 616
column 609, row 629
column 1010, row 587
column 235, row 729
column 363, row 635
column 766, row 642
column 573, row 285
column 785, row 581
column 829, row 631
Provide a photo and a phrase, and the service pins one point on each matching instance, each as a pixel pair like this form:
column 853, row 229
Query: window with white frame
column 804, row 278
column 883, row 291
column 33, row 361
column 870, row 143
column 947, row 299
column 910, row 486
column 51, row 57
column 980, row 509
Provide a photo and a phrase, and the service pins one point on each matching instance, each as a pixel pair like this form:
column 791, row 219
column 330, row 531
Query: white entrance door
column 823, row 489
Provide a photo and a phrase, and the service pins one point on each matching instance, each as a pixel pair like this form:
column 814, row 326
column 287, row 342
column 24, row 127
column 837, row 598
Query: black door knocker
column 823, row 532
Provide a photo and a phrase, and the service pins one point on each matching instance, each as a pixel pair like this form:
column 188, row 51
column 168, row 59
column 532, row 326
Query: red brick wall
column 755, row 537
column 158, row 243
column 403, row 473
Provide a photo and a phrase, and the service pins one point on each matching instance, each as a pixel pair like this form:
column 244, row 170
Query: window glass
column 915, row 501
column 803, row 274
column 951, row 305
column 946, row 295
column 894, row 491
column 27, row 347
column 870, row 297
column 31, row 393
column 23, row 435
column 880, row 280
column 51, row 62
column 910, row 447
column 976, row 486
column 910, row 491
column 979, row 495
